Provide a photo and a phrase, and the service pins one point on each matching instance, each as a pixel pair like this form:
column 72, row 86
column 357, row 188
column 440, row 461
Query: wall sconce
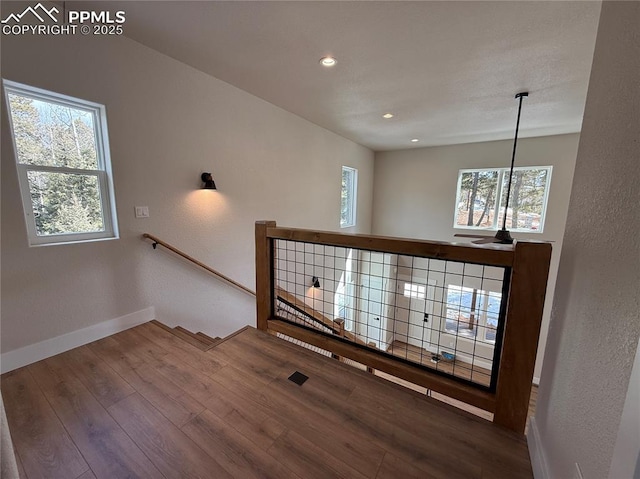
column 315, row 282
column 207, row 179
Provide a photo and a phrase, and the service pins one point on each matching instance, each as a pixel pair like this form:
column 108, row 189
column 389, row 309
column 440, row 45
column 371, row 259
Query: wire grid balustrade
column 302, row 344
column 297, row 315
column 445, row 316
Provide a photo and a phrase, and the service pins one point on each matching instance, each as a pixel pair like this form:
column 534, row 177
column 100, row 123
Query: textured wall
column 167, row 124
column 415, row 192
column 626, row 454
column 596, row 313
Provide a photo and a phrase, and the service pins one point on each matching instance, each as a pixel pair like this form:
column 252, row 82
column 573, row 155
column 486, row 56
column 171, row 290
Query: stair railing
column 157, row 241
column 288, row 257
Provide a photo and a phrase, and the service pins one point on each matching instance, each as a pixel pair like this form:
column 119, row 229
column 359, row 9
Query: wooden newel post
column 522, row 330
column 339, row 325
column 264, row 274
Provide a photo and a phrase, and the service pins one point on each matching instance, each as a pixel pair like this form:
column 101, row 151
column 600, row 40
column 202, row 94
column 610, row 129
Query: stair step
column 162, row 325
column 198, row 340
column 207, row 339
column 222, row 340
column 191, row 338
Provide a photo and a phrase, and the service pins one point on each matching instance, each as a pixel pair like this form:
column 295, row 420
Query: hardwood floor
column 459, row 404
column 145, row 403
column 456, row 367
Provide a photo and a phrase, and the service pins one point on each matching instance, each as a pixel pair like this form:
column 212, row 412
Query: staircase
column 199, row 339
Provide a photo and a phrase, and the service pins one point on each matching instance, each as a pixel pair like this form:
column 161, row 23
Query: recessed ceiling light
column 414, row 140
column 387, row 115
column 328, row 61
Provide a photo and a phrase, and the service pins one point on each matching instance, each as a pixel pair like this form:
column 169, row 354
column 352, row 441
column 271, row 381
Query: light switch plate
column 142, row 211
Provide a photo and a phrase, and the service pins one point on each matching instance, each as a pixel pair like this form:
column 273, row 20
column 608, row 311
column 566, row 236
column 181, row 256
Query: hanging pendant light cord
column 513, row 159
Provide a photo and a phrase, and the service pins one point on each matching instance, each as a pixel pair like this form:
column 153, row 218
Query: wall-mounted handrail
column 157, row 241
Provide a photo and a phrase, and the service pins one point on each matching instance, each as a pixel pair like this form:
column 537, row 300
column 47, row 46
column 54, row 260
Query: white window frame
column 103, row 173
column 503, row 174
column 352, row 196
column 418, row 291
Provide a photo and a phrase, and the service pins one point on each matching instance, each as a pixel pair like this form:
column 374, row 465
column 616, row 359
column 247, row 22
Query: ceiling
column 448, row 71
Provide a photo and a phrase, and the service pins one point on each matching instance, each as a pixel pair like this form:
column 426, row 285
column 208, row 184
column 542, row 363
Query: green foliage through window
column 482, row 195
column 62, row 165
column 348, row 197
column 64, row 203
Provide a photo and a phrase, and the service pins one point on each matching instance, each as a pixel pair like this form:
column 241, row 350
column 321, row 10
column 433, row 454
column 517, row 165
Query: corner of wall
column 536, row 451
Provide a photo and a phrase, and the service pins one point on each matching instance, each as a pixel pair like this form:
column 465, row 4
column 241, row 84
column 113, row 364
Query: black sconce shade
column 207, row 179
column 315, row 281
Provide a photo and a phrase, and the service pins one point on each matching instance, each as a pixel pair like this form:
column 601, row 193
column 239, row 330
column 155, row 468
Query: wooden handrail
column 487, row 254
column 158, row 241
column 337, row 326
column 526, row 263
column 293, row 302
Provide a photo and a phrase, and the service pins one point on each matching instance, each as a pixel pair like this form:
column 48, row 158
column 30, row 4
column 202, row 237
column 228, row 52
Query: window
column 470, row 310
column 415, row 291
column 63, row 165
column 348, row 197
column 344, row 297
column 482, row 194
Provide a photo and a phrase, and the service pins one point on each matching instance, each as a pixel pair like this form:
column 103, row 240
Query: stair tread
column 199, row 340
column 161, row 325
column 222, row 340
column 191, row 338
column 206, row 338
column 184, row 335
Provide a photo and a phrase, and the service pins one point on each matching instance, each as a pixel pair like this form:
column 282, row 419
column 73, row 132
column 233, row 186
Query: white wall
column 415, row 192
column 626, row 453
column 595, row 322
column 167, row 124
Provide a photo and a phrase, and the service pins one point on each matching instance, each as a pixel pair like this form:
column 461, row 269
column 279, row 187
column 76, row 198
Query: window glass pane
column 493, row 311
column 527, row 199
column 415, row 291
column 348, row 197
column 476, row 203
column 469, row 310
column 482, row 195
column 461, row 317
column 65, row 203
column 49, row 134
column 460, row 324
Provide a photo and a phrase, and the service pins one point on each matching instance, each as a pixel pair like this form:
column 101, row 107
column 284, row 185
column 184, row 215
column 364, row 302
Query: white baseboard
column 536, row 381
column 50, row 347
column 536, row 451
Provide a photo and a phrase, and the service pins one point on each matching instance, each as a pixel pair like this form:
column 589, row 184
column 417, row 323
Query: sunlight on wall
column 314, row 297
column 207, row 205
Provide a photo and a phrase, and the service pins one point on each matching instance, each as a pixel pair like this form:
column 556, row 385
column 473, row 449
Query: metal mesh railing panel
column 442, row 315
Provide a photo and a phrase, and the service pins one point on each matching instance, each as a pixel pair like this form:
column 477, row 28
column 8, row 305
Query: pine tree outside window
column 348, row 197
column 64, row 171
column 481, row 196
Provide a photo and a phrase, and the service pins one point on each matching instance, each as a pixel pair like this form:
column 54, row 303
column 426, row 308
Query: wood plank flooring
column 144, row 403
column 457, row 367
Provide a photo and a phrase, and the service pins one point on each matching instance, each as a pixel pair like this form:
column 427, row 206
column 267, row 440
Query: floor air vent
column 298, row 378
